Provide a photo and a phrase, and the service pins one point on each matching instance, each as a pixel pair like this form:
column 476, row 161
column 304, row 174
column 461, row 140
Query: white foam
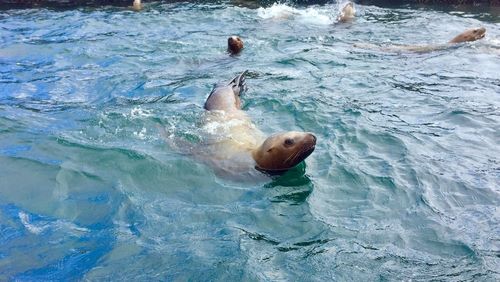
column 493, row 41
column 315, row 16
column 42, row 226
column 138, row 112
column 25, row 220
column 216, row 127
column 222, row 125
column 141, row 134
column 277, row 11
column 311, row 15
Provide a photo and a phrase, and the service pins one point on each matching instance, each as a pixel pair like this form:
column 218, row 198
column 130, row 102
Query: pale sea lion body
column 466, row 36
column 236, row 147
column 347, row 12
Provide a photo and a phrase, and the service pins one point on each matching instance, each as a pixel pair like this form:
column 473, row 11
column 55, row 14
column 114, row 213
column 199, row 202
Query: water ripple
column 403, row 184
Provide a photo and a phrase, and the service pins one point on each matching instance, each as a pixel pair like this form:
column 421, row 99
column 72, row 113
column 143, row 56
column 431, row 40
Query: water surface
column 403, row 185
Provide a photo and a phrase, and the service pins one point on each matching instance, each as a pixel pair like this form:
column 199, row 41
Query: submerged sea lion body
column 234, row 136
column 466, row 36
column 236, row 148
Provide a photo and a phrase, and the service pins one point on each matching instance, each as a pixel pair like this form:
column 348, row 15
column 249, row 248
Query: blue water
column 404, row 183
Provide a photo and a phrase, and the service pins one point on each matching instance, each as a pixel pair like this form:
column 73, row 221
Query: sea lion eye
column 289, row 142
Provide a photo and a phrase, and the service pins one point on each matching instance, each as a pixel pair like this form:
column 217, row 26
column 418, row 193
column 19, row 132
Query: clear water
column 403, row 185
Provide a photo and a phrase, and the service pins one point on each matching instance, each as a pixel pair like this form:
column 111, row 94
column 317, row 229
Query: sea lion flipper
column 226, row 97
column 238, row 83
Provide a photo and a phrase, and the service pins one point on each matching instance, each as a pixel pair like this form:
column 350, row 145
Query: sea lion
column 347, row 12
column 234, row 44
column 235, row 148
column 137, row 5
column 466, row 36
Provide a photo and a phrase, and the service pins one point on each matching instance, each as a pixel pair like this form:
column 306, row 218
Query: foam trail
column 311, row 15
column 39, row 225
column 277, row 11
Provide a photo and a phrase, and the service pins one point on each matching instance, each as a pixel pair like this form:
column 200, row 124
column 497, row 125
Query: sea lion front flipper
column 238, row 83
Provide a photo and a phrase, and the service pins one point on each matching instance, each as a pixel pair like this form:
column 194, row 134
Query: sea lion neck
column 254, row 152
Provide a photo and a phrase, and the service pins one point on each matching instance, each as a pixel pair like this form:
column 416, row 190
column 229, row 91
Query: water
column 403, row 185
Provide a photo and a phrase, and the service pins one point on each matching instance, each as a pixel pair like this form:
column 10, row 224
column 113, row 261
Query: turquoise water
column 403, row 184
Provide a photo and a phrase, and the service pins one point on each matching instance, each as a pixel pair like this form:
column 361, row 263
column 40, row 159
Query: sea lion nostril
column 314, row 138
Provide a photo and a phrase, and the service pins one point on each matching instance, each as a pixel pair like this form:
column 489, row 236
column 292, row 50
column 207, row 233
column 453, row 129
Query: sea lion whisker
column 305, row 149
column 297, row 154
column 292, row 157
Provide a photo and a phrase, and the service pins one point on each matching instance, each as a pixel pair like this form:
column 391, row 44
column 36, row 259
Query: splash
column 311, row 15
column 25, row 219
column 222, row 126
column 138, row 112
column 39, row 225
column 141, row 134
column 277, row 11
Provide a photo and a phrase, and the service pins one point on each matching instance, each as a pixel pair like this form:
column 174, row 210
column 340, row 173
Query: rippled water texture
column 403, row 185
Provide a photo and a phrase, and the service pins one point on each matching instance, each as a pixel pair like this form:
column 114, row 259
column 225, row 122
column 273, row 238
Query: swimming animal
column 137, row 5
column 347, row 12
column 235, row 148
column 234, row 44
column 469, row 35
column 466, row 36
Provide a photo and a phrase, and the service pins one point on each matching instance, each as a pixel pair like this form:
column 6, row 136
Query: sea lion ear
column 270, row 150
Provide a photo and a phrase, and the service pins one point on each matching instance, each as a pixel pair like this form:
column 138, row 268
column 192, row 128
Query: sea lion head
column 470, row 35
column 281, row 152
column 234, row 44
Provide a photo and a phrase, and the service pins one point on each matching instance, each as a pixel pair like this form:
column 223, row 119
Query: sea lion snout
column 283, row 151
column 234, row 44
column 480, row 32
column 312, row 137
column 309, row 142
column 309, row 145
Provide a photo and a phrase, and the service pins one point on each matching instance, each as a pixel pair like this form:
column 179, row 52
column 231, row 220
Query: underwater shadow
column 293, row 187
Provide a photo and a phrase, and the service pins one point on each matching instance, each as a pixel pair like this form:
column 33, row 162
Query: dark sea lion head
column 283, row 151
column 234, row 44
column 470, row 35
